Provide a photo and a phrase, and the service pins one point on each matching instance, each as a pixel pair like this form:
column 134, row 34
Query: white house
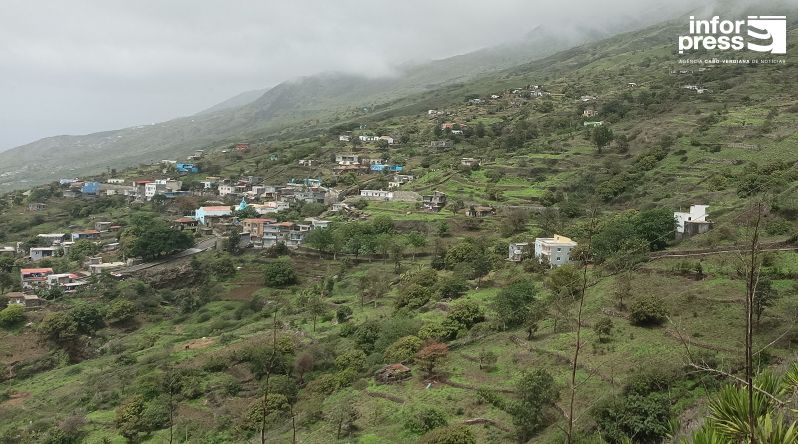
column 344, row 138
column 556, row 249
column 39, row 253
column 388, row 139
column 225, row 189
column 377, row 194
column 695, row 221
column 368, row 138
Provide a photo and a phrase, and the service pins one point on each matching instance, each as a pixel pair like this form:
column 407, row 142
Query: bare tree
column 585, row 259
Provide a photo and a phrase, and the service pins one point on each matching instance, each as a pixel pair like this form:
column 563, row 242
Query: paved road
column 204, row 245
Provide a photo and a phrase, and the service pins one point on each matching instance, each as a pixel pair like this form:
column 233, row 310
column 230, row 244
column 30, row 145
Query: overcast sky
column 74, row 67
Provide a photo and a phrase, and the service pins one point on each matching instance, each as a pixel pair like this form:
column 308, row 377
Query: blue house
column 90, row 188
column 187, row 168
column 381, row 167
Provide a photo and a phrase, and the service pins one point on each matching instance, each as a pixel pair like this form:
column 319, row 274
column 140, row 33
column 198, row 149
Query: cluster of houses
column 357, row 164
column 258, row 232
column 139, row 189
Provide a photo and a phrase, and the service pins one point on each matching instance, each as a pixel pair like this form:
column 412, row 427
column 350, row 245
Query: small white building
column 377, row 194
column 695, row 221
column 39, row 253
column 518, row 251
column 556, row 249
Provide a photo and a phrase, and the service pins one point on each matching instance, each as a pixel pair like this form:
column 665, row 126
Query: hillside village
column 555, row 254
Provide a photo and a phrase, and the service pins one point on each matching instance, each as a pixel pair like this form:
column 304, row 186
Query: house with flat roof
column 557, row 249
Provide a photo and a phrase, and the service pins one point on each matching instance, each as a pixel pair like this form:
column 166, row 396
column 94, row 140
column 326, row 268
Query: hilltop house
column 376, row 194
column 39, row 253
column 102, row 226
column 441, row 144
column 518, row 251
column 186, row 168
column 557, row 249
column 53, row 238
column 480, row 211
column 593, row 124
column 212, row 215
column 185, row 223
column 69, row 282
column 434, row 202
column 90, row 188
column 347, row 159
column 85, row 234
column 469, row 161
column 378, row 167
column 242, row 147
column 256, row 226
column 695, row 221
column 589, row 112
column 37, row 206
column 25, row 300
column 32, row 278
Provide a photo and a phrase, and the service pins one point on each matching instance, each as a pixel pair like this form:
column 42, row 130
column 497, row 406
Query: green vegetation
column 399, row 324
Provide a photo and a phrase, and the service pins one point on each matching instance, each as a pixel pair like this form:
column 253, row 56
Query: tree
column 487, row 359
column 565, row 281
column 601, row 137
column 279, row 273
column 431, row 356
column 511, row 303
column 764, row 296
column 623, row 288
column 120, row 310
column 321, row 239
column 536, row 311
column 130, row 417
column 6, row 264
column 514, row 221
column 12, row 315
column 149, row 239
column 83, row 249
column 383, row 224
column 316, row 308
column 403, row 350
column 424, row 420
column 537, row 393
column 341, row 411
column 603, row 328
column 416, row 241
column 6, row 281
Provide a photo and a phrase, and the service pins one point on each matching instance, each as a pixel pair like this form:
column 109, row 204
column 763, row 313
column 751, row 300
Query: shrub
column 647, row 311
column 456, row 434
column 279, row 273
column 403, row 349
column 424, row 420
column 11, row 316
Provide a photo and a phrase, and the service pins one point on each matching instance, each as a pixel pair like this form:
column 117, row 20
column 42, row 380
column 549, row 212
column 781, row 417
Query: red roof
column 89, row 232
column 259, row 220
column 185, row 220
column 217, row 208
column 35, row 270
column 285, row 224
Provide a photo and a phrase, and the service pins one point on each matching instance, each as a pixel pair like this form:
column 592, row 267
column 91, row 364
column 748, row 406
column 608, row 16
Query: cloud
column 82, row 66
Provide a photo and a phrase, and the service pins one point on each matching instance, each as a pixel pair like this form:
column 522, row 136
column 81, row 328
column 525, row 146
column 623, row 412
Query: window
column 559, row 249
column 558, row 258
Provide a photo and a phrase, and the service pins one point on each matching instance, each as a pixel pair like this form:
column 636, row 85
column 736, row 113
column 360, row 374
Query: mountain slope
column 313, row 97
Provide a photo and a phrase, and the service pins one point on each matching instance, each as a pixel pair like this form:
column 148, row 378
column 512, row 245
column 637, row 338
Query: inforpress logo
column 757, row 33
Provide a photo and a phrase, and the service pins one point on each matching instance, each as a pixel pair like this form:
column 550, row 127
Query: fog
column 84, row 66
